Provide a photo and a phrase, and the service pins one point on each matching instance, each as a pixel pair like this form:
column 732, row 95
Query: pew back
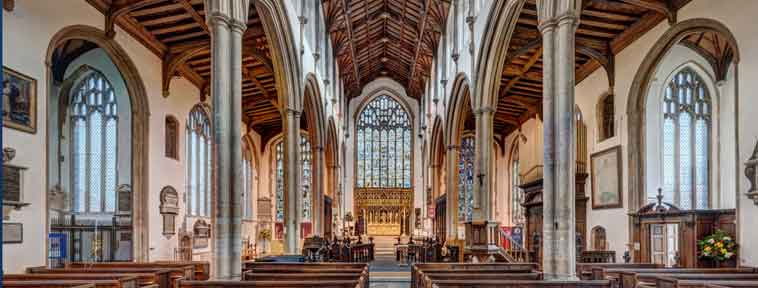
column 270, row 284
column 520, row 284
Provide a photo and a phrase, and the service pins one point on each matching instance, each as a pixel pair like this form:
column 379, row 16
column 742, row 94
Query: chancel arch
column 461, row 134
column 98, row 84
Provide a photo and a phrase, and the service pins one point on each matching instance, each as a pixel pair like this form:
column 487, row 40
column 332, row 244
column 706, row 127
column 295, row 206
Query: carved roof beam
column 417, row 50
column 532, row 60
column 349, row 25
column 195, row 16
column 119, row 8
column 665, row 7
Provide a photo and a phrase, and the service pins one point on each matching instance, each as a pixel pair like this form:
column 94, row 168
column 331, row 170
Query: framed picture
column 13, row 233
column 19, row 101
column 606, row 179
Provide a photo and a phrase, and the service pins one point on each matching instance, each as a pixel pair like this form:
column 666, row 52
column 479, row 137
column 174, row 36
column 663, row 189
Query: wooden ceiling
column 393, row 38
column 606, row 27
column 175, row 30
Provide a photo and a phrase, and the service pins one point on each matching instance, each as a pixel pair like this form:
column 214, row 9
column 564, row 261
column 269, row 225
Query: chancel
column 379, row 143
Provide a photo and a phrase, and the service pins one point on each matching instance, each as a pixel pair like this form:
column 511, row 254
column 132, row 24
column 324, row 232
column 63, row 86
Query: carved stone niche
column 169, row 209
column 751, row 171
column 202, row 234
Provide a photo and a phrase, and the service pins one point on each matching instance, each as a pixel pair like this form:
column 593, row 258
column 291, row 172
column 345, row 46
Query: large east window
column 94, row 118
column 466, row 178
column 199, row 162
column 686, row 140
column 383, row 145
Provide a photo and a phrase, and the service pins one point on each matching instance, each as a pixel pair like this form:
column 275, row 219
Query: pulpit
column 533, row 206
column 482, row 240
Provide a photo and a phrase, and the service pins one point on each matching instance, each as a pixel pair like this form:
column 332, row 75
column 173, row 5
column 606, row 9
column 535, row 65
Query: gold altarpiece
column 386, row 210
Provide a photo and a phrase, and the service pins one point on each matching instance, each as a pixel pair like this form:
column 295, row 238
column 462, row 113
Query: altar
column 385, row 211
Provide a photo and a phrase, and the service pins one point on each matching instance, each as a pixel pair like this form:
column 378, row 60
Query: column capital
column 553, row 13
column 232, row 13
column 453, row 147
column 483, row 110
column 293, row 112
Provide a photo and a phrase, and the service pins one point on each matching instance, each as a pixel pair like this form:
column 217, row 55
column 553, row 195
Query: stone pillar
column 227, row 20
column 452, row 192
column 293, row 214
column 483, row 164
column 317, row 208
column 558, row 20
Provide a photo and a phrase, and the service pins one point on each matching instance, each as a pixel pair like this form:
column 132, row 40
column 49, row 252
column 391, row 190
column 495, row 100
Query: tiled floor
column 384, row 272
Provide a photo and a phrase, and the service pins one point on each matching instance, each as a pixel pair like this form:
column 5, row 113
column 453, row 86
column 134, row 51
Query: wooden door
column 658, row 239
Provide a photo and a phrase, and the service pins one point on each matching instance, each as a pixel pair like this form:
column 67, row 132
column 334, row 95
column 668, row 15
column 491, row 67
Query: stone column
column 483, row 164
column 452, row 192
column 227, row 20
column 293, row 214
column 317, row 208
column 558, row 20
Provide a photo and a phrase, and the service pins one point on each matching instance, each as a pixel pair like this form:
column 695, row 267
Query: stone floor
column 384, row 272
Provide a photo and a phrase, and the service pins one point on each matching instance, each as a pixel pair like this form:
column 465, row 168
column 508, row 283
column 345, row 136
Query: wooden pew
column 188, row 269
column 667, row 282
column 165, row 277
column 124, row 281
column 327, row 272
column 417, row 270
column 271, row 284
column 584, row 270
column 62, row 283
column 632, row 279
column 520, row 284
column 599, row 273
column 202, row 268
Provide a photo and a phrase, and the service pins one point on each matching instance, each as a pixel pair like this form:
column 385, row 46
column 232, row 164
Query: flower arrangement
column 718, row 246
column 264, row 234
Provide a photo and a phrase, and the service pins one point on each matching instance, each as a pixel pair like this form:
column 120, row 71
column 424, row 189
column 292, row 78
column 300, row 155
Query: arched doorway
column 102, row 111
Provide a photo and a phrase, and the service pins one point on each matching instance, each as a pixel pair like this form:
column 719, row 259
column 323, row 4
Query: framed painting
column 19, row 101
column 606, row 179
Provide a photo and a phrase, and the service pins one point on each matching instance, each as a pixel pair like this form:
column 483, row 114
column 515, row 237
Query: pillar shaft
column 227, row 21
column 483, row 164
column 317, row 213
column 293, row 214
column 452, row 192
column 558, row 22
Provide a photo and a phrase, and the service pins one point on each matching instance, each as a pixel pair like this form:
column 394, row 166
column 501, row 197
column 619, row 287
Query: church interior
column 379, row 143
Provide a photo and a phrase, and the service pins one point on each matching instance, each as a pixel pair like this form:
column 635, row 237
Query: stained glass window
column 306, row 157
column 383, row 145
column 517, row 195
column 466, row 178
column 94, row 118
column 686, row 141
column 199, row 162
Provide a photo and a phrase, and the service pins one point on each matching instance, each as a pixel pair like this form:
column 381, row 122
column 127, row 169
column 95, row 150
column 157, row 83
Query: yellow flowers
column 718, row 246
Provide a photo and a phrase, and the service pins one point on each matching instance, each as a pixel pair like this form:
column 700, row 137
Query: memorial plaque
column 13, row 233
column 12, row 183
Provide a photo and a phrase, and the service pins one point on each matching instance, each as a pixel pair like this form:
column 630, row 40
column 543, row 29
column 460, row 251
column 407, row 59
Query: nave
column 379, row 143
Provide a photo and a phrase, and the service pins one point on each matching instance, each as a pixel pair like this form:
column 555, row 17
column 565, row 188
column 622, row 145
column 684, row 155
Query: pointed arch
column 460, row 104
column 638, row 91
column 494, row 49
column 140, row 121
column 284, row 53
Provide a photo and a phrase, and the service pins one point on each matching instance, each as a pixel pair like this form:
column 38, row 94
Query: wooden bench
column 520, row 284
column 418, row 270
column 125, row 281
column 202, row 268
column 302, row 272
column 600, row 273
column 584, row 270
column 271, row 284
column 62, row 283
column 667, row 282
column 188, row 269
column 165, row 278
column 632, row 279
